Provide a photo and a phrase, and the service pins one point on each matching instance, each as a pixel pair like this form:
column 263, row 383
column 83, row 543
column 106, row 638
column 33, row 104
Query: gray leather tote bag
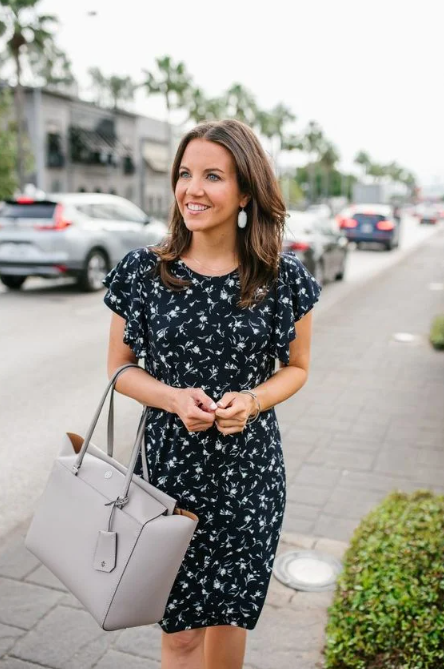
column 113, row 539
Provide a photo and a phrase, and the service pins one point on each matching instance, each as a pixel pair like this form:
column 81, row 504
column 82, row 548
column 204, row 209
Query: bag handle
column 110, row 439
column 96, row 416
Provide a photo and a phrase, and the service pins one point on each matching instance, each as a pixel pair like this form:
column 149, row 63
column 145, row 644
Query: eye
column 182, row 173
column 214, row 175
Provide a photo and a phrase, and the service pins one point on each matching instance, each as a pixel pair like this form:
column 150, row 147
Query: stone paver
column 22, row 604
column 8, row 637
column 115, row 660
column 370, row 420
column 74, row 630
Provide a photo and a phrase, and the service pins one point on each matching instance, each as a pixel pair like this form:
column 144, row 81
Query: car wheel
column 319, row 273
column 389, row 245
column 96, row 268
column 12, row 282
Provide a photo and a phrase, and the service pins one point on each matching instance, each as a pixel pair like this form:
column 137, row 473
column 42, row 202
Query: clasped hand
column 199, row 412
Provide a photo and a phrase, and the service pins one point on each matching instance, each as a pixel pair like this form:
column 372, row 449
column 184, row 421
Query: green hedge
column 437, row 332
column 388, row 607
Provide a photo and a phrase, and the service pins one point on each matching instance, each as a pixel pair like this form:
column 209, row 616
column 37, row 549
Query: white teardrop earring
column 242, row 218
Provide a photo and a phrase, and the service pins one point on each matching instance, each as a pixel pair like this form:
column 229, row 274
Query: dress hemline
column 231, row 623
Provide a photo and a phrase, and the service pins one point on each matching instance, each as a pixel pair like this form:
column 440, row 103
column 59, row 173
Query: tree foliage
column 378, row 171
column 8, row 147
column 111, row 91
column 169, row 79
column 31, row 51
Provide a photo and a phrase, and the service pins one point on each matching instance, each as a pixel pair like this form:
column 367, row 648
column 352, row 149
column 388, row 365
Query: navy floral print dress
column 235, row 483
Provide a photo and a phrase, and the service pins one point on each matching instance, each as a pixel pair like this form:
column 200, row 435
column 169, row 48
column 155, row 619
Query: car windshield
column 31, row 210
column 368, row 218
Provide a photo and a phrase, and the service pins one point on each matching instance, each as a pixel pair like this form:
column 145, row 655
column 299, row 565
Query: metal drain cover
column 308, row 570
column 404, row 337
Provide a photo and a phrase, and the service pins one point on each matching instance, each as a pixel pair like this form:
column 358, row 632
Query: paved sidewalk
column 369, row 420
column 42, row 625
column 371, row 415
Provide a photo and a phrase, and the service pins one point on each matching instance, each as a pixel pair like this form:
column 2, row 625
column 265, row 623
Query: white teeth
column 197, row 207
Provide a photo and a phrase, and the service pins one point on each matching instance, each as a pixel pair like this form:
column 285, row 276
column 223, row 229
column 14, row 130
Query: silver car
column 319, row 244
column 80, row 234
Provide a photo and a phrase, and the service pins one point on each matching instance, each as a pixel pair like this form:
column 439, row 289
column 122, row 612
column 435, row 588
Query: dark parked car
column 318, row 243
column 371, row 223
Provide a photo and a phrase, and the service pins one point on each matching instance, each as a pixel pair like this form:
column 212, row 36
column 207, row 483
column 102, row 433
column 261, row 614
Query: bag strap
column 110, row 439
column 96, row 416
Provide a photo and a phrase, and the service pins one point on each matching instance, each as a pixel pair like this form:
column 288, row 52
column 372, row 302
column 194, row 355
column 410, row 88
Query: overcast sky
column 371, row 73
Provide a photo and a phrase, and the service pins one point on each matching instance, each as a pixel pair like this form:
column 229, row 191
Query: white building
column 78, row 146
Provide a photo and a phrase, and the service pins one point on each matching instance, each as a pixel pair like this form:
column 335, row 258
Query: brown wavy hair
column 259, row 243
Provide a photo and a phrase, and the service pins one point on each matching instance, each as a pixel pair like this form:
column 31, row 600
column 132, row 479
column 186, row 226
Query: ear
column 244, row 201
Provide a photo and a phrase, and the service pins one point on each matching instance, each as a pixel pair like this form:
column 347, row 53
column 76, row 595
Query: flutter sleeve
column 296, row 294
column 127, row 296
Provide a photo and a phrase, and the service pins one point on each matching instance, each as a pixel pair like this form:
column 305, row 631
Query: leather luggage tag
column 106, row 551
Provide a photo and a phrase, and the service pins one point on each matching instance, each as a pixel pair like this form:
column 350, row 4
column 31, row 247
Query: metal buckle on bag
column 119, row 502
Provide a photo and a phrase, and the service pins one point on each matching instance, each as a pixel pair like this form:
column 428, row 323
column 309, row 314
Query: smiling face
column 207, row 191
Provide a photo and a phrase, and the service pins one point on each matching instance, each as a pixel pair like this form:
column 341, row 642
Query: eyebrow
column 210, row 169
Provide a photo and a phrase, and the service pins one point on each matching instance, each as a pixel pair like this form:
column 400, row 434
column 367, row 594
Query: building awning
column 156, row 155
column 97, row 143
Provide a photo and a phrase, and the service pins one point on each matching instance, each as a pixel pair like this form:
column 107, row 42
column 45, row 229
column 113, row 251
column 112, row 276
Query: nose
column 194, row 187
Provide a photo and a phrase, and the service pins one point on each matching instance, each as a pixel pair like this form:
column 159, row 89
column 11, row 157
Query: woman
column 210, row 310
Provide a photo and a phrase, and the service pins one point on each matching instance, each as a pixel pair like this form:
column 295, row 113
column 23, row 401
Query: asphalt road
column 53, row 343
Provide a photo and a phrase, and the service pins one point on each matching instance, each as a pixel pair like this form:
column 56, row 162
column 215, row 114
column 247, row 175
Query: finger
column 200, row 427
column 200, row 414
column 209, row 408
column 234, row 411
column 226, row 400
column 229, row 430
column 204, row 399
column 230, row 423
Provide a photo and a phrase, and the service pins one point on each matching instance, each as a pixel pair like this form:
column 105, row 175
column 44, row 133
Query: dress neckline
column 206, row 276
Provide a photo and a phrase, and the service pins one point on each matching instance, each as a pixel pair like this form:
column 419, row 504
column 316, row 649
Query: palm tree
column 363, row 160
column 377, row 171
column 50, row 64
column 171, row 80
column 121, row 88
column 99, row 85
column 409, row 180
column 200, row 108
column 273, row 125
column 313, row 143
column 241, row 104
column 327, row 160
column 28, row 35
column 112, row 89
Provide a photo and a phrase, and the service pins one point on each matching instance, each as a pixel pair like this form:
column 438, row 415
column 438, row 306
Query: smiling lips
column 195, row 208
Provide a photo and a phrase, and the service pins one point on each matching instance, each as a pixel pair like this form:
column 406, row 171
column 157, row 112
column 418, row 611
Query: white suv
column 80, row 234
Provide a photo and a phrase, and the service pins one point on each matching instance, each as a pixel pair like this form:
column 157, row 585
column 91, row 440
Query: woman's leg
column 225, row 647
column 183, row 650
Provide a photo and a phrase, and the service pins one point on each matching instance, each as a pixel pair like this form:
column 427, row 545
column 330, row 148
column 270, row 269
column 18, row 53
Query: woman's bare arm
column 289, row 379
column 135, row 383
column 192, row 405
